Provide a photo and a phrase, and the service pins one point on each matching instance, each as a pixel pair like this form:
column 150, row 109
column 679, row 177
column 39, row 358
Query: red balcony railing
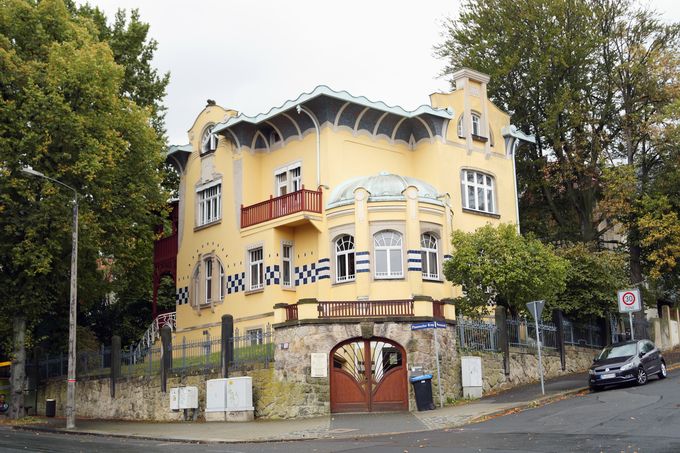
column 292, row 312
column 365, row 309
column 302, row 200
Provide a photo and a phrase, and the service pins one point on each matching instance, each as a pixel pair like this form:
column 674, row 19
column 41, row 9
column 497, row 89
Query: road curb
column 475, row 419
column 518, row 407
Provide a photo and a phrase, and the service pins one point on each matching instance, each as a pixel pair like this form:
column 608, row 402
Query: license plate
column 608, row 376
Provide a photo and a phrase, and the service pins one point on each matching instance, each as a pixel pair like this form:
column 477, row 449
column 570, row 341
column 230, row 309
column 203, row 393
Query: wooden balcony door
column 368, row 376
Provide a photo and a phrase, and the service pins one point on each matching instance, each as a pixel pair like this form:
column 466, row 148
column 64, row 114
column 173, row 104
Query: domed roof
column 382, row 187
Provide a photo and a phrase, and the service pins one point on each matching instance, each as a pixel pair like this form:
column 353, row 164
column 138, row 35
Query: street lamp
column 71, row 378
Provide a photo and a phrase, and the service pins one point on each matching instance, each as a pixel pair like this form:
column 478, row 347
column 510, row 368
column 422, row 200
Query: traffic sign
column 536, row 308
column 629, row 300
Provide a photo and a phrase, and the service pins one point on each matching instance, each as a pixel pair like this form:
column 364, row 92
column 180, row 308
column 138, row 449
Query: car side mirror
column 641, row 354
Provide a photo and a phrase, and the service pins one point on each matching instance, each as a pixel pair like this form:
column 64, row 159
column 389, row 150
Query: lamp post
column 71, row 378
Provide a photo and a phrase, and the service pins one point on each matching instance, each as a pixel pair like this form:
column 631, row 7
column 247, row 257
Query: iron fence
column 477, row 336
column 252, row 349
column 523, row 334
column 586, row 334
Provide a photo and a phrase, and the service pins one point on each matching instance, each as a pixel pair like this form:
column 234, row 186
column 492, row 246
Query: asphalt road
column 628, row 419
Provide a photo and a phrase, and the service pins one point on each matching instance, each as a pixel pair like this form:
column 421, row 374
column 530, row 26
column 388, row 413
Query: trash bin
column 50, row 408
column 422, row 387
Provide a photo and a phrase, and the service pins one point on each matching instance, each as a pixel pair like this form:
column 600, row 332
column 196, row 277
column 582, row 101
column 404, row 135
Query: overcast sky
column 252, row 55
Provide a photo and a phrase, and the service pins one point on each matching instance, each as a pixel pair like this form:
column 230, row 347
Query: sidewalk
column 334, row 426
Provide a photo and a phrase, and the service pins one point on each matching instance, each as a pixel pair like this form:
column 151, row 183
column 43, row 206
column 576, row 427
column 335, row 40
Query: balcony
column 165, row 249
column 308, row 309
column 274, row 208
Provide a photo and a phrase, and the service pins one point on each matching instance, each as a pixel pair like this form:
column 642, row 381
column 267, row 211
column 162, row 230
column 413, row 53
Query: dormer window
column 208, row 141
column 476, row 121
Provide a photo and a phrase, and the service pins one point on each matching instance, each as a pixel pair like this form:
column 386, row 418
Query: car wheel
column 641, row 376
column 596, row 388
column 663, row 372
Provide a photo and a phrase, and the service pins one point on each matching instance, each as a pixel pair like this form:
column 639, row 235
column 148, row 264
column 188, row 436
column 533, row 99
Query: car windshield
column 624, row 350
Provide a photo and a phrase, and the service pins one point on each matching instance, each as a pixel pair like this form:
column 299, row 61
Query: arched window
column 429, row 256
column 478, row 191
column 344, row 259
column 223, row 282
column 461, row 127
column 476, row 124
column 196, row 286
column 389, row 261
column 208, row 140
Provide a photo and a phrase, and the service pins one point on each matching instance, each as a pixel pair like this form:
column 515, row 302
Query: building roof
column 384, row 186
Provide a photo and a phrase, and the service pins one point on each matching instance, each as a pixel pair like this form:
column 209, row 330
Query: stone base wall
column 140, row 398
column 288, row 391
column 307, row 396
column 524, row 366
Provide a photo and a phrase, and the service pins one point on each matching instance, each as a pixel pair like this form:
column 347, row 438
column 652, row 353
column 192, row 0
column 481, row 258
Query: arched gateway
column 368, row 376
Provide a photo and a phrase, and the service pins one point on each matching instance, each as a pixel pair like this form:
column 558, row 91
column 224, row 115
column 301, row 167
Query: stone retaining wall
column 288, row 391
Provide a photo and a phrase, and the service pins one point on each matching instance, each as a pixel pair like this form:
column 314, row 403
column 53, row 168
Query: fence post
column 115, row 363
column 226, row 346
column 461, row 330
column 558, row 320
column 504, row 345
column 166, row 356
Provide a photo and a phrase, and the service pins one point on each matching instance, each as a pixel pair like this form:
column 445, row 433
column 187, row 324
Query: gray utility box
column 471, row 367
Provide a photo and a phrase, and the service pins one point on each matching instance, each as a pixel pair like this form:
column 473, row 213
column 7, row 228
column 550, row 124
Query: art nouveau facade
column 332, row 197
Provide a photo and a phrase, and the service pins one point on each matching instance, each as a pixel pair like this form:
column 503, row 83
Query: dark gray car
column 628, row 361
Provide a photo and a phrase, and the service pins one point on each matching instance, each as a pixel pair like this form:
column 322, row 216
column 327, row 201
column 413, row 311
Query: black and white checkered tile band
column 182, row 296
column 362, row 261
column 305, row 274
column 272, row 275
column 236, row 283
column 415, row 263
column 323, row 269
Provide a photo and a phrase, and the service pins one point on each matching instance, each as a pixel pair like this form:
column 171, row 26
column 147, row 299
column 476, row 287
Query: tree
column 63, row 111
column 497, row 266
column 592, row 281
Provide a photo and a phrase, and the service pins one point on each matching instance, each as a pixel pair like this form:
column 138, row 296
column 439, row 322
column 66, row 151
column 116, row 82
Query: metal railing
column 477, row 336
column 275, row 207
column 153, row 332
column 523, row 334
column 583, row 334
column 365, row 309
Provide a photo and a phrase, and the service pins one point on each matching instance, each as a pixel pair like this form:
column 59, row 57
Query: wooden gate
column 368, row 376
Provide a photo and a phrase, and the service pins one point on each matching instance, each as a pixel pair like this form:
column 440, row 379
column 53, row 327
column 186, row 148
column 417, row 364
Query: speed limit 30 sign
column 629, row 300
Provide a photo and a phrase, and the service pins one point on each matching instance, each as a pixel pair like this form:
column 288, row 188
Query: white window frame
column 209, row 203
column 288, row 179
column 348, row 256
column 223, row 283
column 287, row 259
column 208, row 140
column 427, row 251
column 258, row 262
column 487, row 189
column 208, row 286
column 255, row 336
column 476, row 121
column 389, row 250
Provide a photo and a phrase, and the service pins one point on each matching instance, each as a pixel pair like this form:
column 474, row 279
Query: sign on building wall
column 319, row 364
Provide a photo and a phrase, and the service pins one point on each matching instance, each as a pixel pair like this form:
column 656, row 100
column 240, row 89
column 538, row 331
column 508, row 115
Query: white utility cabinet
column 188, row 397
column 229, row 399
column 471, row 368
column 174, row 398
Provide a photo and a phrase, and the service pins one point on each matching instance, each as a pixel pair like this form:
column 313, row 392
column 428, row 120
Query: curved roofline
column 323, row 90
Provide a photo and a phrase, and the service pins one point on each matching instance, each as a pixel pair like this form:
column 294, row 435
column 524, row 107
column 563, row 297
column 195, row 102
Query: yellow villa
column 326, row 221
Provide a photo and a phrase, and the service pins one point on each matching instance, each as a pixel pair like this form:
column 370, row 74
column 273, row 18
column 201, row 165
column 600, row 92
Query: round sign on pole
column 629, row 300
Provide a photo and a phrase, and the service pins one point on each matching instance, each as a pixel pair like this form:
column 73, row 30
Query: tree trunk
column 18, row 373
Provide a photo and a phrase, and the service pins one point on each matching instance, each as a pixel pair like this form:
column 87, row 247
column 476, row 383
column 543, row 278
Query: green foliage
column 495, row 265
column 68, row 109
column 592, row 281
